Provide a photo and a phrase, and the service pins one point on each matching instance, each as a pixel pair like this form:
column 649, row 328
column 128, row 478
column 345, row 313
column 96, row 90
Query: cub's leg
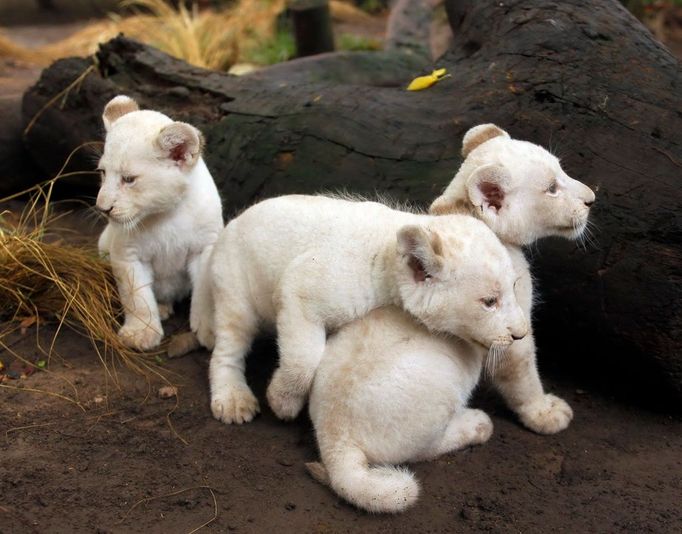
column 516, row 376
column 142, row 325
column 201, row 307
column 467, row 427
column 235, row 327
column 301, row 345
column 517, row 379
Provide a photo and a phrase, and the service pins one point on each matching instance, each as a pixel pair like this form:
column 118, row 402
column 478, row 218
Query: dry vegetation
column 45, row 279
column 209, row 38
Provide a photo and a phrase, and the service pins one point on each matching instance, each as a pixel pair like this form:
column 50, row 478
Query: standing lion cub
column 163, row 211
column 310, row 264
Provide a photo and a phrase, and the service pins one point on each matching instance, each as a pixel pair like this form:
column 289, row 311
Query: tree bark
column 583, row 77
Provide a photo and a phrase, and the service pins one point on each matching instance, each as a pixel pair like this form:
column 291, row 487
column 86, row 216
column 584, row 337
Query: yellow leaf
column 424, row 82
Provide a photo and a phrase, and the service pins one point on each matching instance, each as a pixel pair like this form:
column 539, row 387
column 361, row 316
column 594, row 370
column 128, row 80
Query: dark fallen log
column 583, row 77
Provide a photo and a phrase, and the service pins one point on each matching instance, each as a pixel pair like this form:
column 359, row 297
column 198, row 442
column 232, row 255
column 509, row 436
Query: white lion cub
column 521, row 192
column 163, row 210
column 310, row 264
column 388, row 391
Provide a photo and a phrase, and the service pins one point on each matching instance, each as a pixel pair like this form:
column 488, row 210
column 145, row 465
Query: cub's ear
column 478, row 135
column 180, row 142
column 117, row 107
column 423, row 249
column 488, row 187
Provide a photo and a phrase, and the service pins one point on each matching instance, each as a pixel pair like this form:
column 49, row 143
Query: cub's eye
column 553, row 188
column 489, row 302
column 128, row 179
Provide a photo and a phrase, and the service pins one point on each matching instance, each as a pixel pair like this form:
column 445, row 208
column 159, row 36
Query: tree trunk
column 583, row 77
column 312, row 26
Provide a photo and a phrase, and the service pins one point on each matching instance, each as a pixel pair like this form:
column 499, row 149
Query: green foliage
column 354, row 43
column 372, row 6
column 281, row 47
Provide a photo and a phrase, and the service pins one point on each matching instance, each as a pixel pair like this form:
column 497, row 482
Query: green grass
column 281, row 47
column 355, row 43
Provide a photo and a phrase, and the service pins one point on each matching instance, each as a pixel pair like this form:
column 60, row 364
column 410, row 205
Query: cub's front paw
column 141, row 336
column 547, row 415
column 234, row 404
column 285, row 403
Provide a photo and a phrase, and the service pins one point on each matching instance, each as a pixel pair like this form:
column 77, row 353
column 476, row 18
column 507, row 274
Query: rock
column 168, row 392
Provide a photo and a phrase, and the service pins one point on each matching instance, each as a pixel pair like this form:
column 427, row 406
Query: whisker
column 579, row 239
column 492, row 361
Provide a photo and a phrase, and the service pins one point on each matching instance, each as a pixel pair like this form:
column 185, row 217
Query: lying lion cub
column 310, row 264
column 388, row 391
column 163, row 212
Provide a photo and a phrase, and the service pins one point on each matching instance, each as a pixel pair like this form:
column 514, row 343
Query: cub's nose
column 589, row 197
column 519, row 330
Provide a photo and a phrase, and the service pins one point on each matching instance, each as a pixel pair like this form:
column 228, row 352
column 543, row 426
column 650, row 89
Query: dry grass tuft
column 42, row 278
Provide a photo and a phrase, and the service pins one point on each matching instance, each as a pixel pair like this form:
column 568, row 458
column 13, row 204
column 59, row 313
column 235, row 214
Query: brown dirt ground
column 112, row 463
column 82, row 468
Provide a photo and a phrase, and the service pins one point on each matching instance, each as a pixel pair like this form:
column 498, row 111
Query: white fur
column 388, row 391
column 162, row 225
column 312, row 264
column 524, row 172
column 529, row 210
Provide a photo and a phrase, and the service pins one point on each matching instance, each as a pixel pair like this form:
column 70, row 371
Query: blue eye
column 553, row 188
column 128, row 179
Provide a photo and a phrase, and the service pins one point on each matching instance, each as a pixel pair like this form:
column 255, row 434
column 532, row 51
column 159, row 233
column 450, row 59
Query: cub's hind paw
column 205, row 337
column 481, row 427
column 547, row 415
column 235, row 404
column 286, row 404
column 165, row 311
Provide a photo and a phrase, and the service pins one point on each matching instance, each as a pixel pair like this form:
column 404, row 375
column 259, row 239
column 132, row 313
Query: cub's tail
column 202, row 307
column 375, row 489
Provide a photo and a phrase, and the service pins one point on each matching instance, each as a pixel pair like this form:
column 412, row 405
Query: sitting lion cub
column 388, row 391
column 310, row 264
column 521, row 192
column 163, row 210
